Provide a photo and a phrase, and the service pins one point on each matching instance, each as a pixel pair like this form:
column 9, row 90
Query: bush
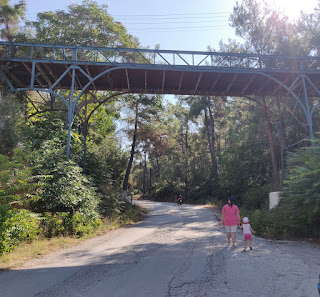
column 16, row 226
column 110, row 206
column 68, row 191
column 301, row 196
column 164, row 192
column 267, row 223
column 67, row 224
column 256, row 198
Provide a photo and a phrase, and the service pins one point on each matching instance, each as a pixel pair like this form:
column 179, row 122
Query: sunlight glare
column 292, row 8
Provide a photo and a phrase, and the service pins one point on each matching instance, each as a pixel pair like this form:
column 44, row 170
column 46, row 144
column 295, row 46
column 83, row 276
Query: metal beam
column 88, row 72
column 30, row 71
column 198, row 82
column 163, row 80
column 110, row 81
column 44, row 74
column 128, row 82
column 279, row 86
column 231, row 83
column 215, row 82
column 248, row 84
column 145, row 80
column 180, row 81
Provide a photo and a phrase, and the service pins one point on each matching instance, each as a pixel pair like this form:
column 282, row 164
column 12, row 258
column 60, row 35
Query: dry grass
column 28, row 251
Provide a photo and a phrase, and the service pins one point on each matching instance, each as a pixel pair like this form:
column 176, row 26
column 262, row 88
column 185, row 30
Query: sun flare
column 292, row 8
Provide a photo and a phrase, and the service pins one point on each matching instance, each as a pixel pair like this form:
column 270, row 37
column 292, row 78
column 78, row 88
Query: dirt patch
column 216, row 211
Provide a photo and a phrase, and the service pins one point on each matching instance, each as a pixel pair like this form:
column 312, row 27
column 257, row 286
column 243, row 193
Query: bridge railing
column 28, row 52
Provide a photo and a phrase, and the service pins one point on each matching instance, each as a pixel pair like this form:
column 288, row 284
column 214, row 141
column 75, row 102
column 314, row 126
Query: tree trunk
column 282, row 139
column 158, row 169
column 150, row 181
column 276, row 176
column 133, row 146
column 209, row 126
column 145, row 174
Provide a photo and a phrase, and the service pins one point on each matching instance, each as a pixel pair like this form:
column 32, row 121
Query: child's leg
column 245, row 245
column 249, row 243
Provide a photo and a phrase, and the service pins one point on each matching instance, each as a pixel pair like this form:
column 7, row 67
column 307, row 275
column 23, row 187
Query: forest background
column 206, row 148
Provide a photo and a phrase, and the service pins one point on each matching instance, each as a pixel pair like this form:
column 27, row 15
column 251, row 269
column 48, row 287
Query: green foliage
column 301, row 196
column 16, row 226
column 68, row 191
column 10, row 17
column 268, row 224
column 82, row 24
column 298, row 214
column 256, row 198
column 111, row 206
column 105, row 162
column 69, row 224
column 165, row 191
column 44, row 128
column 11, row 117
column 18, row 186
column 207, row 190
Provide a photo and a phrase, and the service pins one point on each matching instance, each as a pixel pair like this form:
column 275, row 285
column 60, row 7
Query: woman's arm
column 223, row 215
column 238, row 217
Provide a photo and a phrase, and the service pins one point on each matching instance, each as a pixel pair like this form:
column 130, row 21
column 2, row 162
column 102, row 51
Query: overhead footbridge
column 52, row 67
column 49, row 67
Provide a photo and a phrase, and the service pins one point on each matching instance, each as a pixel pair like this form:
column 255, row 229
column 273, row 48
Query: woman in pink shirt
column 231, row 219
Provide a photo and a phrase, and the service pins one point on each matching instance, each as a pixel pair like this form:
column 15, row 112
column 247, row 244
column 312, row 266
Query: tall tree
column 10, row 15
column 263, row 29
column 205, row 105
column 141, row 109
column 82, row 24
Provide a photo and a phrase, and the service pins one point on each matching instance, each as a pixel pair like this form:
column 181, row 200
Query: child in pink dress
column 246, row 227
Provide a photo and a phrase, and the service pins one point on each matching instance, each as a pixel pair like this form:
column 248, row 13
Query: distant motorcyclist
column 179, row 199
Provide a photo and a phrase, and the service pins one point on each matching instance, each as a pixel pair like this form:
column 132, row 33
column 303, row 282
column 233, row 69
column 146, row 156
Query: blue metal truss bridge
column 50, row 68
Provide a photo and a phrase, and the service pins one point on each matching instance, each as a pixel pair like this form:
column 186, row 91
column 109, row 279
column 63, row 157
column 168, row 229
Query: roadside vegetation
column 206, row 148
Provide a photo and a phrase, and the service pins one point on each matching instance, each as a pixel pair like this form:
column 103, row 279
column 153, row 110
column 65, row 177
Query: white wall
column 274, row 199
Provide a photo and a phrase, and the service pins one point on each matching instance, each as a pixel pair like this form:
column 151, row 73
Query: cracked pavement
column 175, row 251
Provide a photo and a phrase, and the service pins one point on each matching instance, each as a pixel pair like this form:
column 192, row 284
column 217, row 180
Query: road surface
column 175, row 251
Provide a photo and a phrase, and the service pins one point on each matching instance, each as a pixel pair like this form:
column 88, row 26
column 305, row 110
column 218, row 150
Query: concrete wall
column 274, row 199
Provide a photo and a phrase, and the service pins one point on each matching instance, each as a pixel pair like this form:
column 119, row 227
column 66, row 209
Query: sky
column 173, row 24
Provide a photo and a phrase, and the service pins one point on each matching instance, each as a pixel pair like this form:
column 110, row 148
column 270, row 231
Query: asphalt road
column 175, row 251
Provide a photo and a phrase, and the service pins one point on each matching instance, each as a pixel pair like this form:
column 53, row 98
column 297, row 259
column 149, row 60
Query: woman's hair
column 231, row 199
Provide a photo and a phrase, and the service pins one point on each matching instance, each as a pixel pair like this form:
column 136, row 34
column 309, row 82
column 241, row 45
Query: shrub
column 68, row 191
column 301, row 196
column 16, row 226
column 67, row 224
column 110, row 206
column 164, row 192
column 256, row 198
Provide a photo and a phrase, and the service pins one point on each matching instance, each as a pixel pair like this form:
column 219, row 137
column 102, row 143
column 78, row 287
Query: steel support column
column 70, row 112
column 307, row 110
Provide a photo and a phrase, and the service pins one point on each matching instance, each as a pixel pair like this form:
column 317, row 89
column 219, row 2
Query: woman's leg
column 228, row 237
column 233, row 236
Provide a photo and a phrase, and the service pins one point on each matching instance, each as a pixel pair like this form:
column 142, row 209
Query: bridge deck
column 155, row 71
